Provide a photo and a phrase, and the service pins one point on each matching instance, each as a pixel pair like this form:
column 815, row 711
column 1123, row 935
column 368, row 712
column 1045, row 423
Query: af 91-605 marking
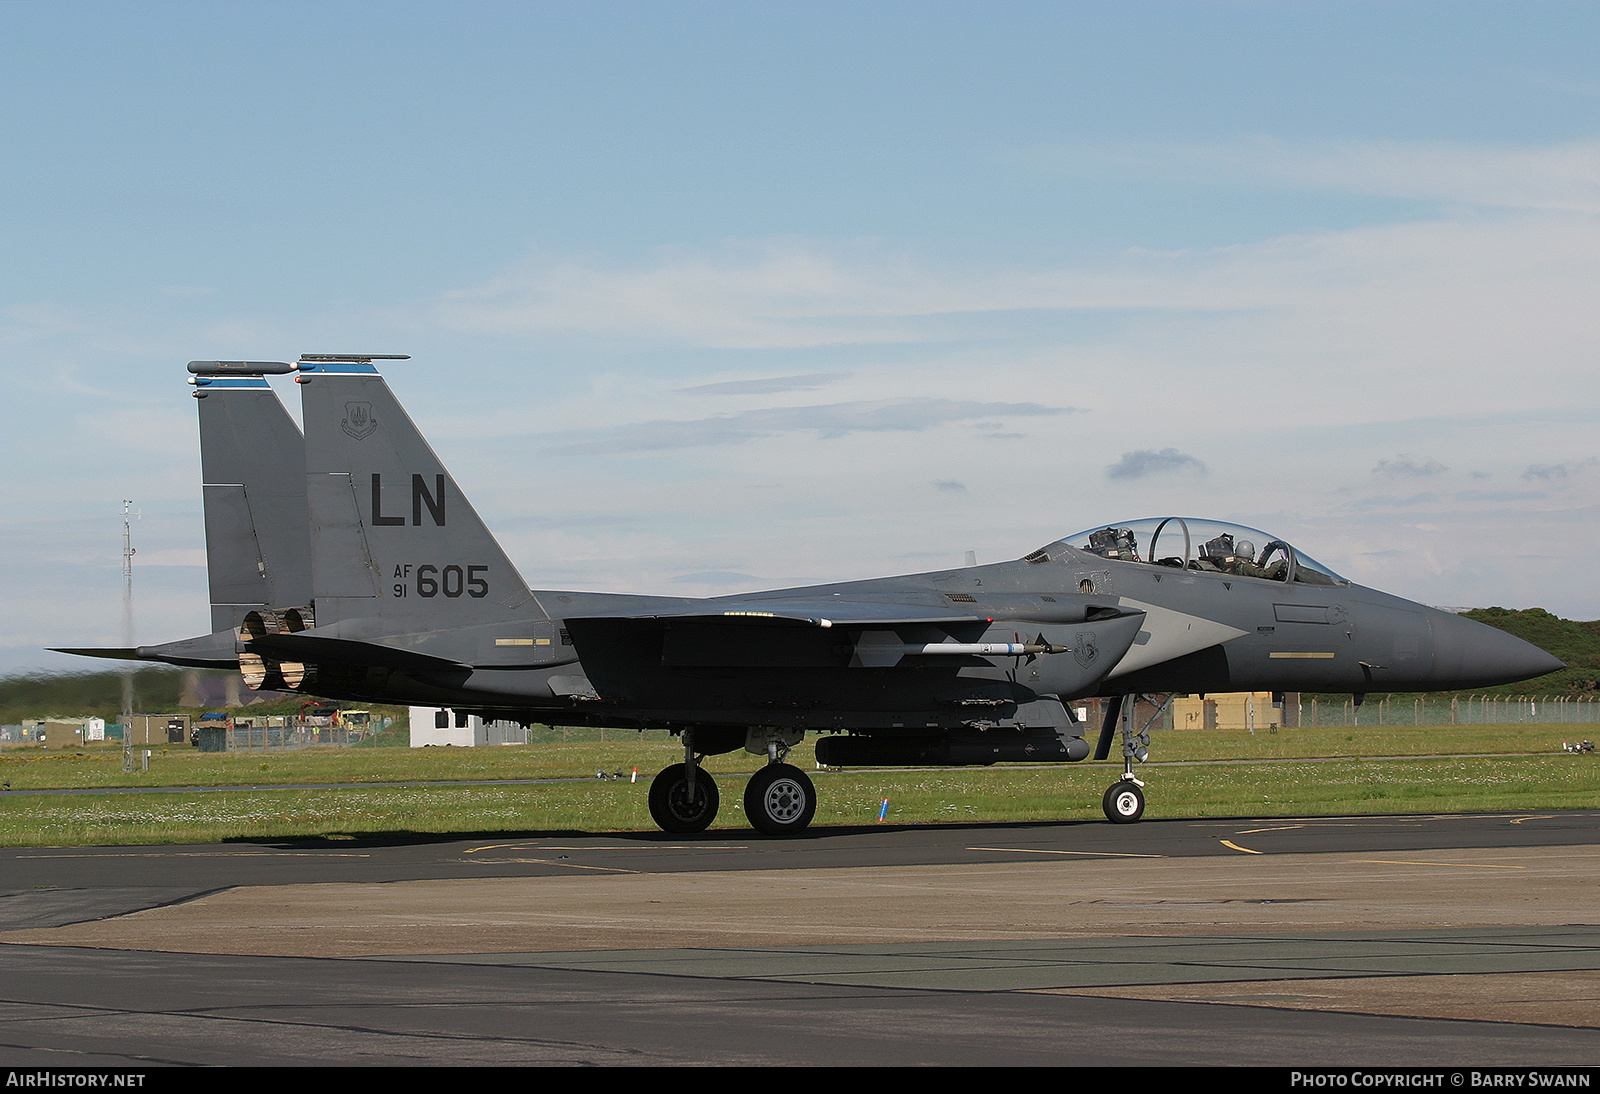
column 450, row 580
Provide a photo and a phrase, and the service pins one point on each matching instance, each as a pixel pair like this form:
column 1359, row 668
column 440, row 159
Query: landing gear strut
column 683, row 798
column 1124, row 799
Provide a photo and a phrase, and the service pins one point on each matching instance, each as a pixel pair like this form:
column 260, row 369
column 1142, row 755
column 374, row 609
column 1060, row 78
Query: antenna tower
column 127, row 633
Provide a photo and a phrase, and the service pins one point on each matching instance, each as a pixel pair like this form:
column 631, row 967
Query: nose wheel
column 1124, row 802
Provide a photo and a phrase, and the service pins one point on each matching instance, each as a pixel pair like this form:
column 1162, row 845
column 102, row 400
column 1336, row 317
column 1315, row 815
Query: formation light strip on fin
column 345, row 362
column 320, row 358
column 220, row 382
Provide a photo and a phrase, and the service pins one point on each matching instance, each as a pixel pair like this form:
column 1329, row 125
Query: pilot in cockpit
column 1114, row 543
column 1227, row 556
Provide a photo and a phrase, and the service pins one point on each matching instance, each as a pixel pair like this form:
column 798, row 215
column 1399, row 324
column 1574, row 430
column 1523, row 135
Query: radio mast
column 127, row 633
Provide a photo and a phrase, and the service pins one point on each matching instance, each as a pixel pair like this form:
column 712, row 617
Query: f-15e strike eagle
column 349, row 565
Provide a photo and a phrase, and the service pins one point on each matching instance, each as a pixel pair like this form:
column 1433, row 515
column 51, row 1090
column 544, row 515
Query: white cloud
column 1556, row 177
column 772, row 385
column 768, row 293
column 35, row 322
column 831, row 421
column 1385, row 318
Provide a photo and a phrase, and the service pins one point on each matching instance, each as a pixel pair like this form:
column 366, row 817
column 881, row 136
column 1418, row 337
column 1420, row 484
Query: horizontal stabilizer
column 211, row 651
column 110, row 653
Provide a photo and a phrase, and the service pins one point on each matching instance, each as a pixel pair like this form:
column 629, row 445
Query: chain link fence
column 244, row 737
column 1463, row 710
column 273, row 732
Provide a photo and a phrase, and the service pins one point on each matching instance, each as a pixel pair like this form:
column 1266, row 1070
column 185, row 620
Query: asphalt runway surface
column 1410, row 941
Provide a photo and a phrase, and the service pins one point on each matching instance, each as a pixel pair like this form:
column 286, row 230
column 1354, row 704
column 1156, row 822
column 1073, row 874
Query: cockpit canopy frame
column 1207, row 546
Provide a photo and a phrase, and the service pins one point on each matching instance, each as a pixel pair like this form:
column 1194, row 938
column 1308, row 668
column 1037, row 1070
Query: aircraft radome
column 349, row 565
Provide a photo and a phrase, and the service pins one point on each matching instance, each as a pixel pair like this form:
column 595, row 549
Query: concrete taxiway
column 1351, row 940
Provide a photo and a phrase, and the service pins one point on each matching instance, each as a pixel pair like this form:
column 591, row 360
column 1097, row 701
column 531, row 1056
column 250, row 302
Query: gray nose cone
column 1469, row 654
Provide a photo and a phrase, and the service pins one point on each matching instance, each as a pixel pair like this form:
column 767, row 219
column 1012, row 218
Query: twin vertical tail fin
column 258, row 538
column 396, row 547
column 253, row 464
column 344, row 548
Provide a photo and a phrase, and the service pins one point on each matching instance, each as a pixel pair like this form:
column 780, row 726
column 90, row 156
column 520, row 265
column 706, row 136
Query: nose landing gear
column 1124, row 799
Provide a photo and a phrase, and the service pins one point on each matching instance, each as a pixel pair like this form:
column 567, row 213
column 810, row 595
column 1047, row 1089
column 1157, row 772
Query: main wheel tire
column 780, row 800
column 1124, row 802
column 671, row 806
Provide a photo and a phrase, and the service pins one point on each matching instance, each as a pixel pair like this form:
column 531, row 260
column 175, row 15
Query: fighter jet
column 409, row 599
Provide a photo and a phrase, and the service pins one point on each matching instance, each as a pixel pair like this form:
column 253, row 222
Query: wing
column 817, row 633
column 822, row 612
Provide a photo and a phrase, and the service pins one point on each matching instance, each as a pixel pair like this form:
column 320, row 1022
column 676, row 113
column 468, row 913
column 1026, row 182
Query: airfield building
column 433, row 726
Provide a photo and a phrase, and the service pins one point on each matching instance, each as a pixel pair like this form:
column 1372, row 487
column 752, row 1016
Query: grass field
column 1369, row 770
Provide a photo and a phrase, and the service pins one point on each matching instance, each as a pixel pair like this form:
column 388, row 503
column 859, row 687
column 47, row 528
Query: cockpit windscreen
column 1209, row 546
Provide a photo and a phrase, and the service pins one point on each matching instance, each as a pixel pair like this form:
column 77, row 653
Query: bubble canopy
column 1206, row 546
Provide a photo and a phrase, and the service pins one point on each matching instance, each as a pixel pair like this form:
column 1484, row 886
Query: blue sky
column 703, row 297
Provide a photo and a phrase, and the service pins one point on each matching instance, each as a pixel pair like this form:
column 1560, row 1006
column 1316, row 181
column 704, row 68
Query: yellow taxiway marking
column 598, row 847
column 210, row 854
column 1051, row 851
column 1280, row 828
column 1468, row 865
column 567, row 865
column 1236, row 847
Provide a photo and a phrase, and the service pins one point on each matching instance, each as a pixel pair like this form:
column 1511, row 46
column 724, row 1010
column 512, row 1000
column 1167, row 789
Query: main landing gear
column 683, row 799
column 1124, row 799
column 780, row 799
